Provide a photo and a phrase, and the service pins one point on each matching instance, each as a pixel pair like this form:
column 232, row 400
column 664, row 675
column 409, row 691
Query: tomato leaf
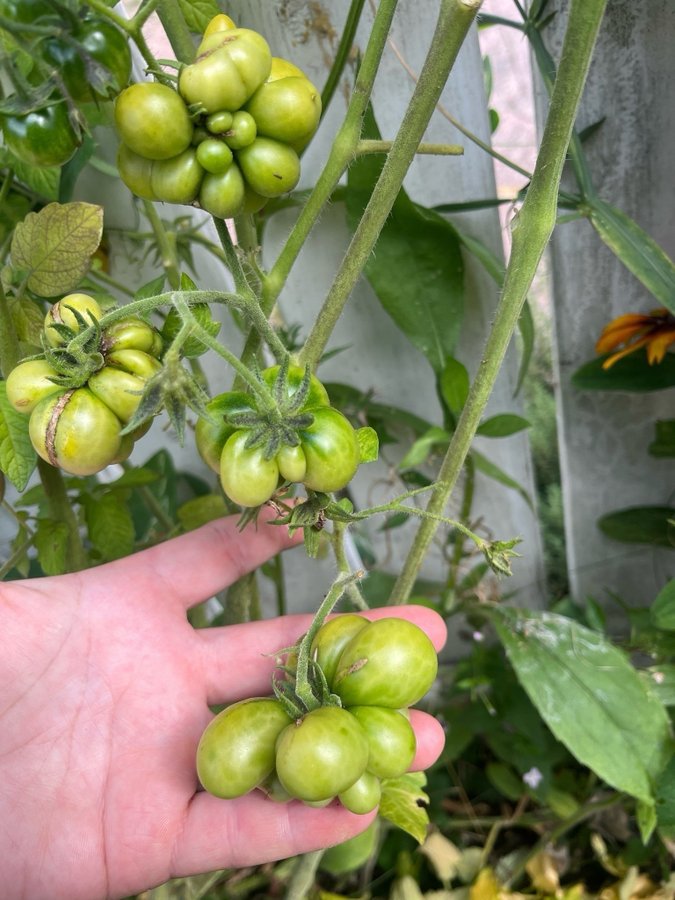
column 198, row 13
column 109, row 523
column 200, row 510
column 400, row 804
column 590, row 696
column 662, row 612
column 662, row 682
column 51, row 543
column 416, row 268
column 640, row 525
column 17, row 457
column 646, row 820
column 44, row 181
column 487, row 467
column 665, row 801
column 54, row 246
column 368, row 443
column 632, row 373
column 502, row 425
column 454, row 384
column 434, row 438
column 28, row 321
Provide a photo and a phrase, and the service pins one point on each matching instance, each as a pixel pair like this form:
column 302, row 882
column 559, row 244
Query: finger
column 238, row 660
column 195, row 566
column 253, row 829
column 430, row 739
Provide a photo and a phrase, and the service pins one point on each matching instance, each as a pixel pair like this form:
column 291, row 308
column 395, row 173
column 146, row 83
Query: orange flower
column 655, row 331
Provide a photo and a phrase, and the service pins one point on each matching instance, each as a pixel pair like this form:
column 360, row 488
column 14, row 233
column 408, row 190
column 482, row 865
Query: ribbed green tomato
column 63, row 313
column 229, row 66
column 219, row 122
column 153, row 121
column 223, row 195
column 75, row 431
column 270, row 167
column 246, row 476
column 136, row 172
column 284, row 68
column 237, row 749
column 389, row 663
column 331, row 450
column 241, row 132
column 332, row 638
column 120, row 383
column 391, row 739
column 210, row 437
column 28, row 383
column 363, row 796
column 317, row 395
column 132, row 334
column 177, row 180
column 288, row 109
column 322, row 754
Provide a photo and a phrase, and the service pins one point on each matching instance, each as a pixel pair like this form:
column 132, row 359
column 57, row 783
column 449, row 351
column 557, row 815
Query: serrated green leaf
column 55, row 245
column 44, row 181
column 416, row 269
column 419, row 452
column 632, row 373
column 640, row 525
column 51, row 543
column 502, row 425
column 109, row 524
column 28, row 321
column 369, row 445
column 636, row 249
column 17, row 457
column 590, row 696
column 400, row 804
column 487, row 467
column 663, row 444
column 192, row 347
column 151, row 289
column 198, row 13
column 454, row 384
column 200, row 510
column 662, row 611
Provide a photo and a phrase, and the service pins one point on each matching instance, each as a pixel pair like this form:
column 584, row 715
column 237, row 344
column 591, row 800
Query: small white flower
column 478, row 636
column 533, row 778
column 658, row 677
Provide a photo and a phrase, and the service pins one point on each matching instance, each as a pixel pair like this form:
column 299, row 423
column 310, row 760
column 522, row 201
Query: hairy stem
column 342, row 53
column 61, row 510
column 166, row 247
column 302, row 878
column 531, row 232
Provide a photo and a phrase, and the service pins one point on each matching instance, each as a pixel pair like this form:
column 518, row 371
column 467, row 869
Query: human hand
column 104, row 693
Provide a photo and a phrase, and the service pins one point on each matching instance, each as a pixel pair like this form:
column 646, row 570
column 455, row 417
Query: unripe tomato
column 317, row 395
column 223, row 195
column 246, row 476
column 390, row 737
column 322, row 754
column 253, row 202
column 292, row 463
column 332, row 638
column 241, row 132
column 236, row 751
column 177, row 180
column 28, row 383
column 131, row 334
column 63, row 313
column 153, row 121
column 331, row 450
column 284, row 68
column 210, row 438
column 389, row 663
column 270, row 167
column 363, row 796
column 214, row 156
column 119, row 386
column 351, row 854
column 287, row 109
column 41, row 138
column 137, row 362
column 135, row 171
column 75, row 431
column 25, row 11
column 125, row 450
column 229, row 66
column 218, row 23
column 219, row 122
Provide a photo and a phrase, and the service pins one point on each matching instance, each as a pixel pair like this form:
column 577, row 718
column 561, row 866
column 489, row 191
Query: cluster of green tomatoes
column 314, row 444
column 344, row 749
column 79, row 428
column 228, row 138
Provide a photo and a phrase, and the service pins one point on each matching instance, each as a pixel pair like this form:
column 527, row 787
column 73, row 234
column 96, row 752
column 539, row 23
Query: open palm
column 104, row 693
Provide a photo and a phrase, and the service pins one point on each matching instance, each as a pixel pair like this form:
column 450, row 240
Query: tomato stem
column 531, row 231
column 61, row 510
column 172, row 19
column 342, row 53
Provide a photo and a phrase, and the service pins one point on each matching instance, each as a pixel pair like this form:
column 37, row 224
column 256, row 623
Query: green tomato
column 25, row 11
column 292, row 463
column 131, row 334
column 177, row 180
column 214, row 156
column 137, row 362
column 391, row 739
column 237, row 750
column 322, row 754
column 229, row 66
column 288, row 109
column 219, row 22
column 223, row 195
column 389, row 663
column 246, row 476
column 331, row 450
column 253, row 202
column 219, row 122
column 270, row 167
column 317, row 395
column 332, row 638
column 75, row 431
column 153, row 121
column 210, row 437
column 42, row 138
column 284, row 68
column 136, row 172
column 63, row 312
column 351, row 854
column 28, row 383
column 120, row 383
column 241, row 132
column 363, row 796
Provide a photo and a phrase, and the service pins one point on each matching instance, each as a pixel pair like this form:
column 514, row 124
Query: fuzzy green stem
column 342, row 152
column 342, row 53
column 338, row 545
column 60, row 510
column 172, row 19
column 304, row 873
column 531, row 232
column 426, row 149
column 453, row 23
column 233, row 262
